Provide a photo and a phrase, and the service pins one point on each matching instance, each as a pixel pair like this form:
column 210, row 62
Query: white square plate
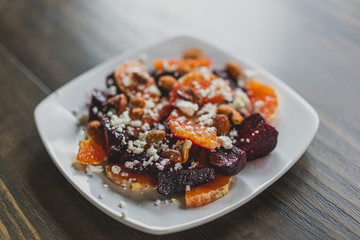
column 296, row 121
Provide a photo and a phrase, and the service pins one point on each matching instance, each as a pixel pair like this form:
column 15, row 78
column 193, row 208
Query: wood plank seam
column 25, row 70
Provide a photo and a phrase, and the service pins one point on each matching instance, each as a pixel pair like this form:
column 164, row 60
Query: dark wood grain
column 314, row 46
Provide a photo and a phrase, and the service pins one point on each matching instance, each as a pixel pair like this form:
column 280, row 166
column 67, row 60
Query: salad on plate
column 180, row 126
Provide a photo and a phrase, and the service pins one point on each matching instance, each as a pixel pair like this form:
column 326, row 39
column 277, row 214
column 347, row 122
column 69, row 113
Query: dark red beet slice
column 139, row 163
column 256, row 137
column 228, row 161
column 116, row 142
column 176, row 181
column 97, row 99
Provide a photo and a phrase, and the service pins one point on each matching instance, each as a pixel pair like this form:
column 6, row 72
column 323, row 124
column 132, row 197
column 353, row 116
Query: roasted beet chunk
column 111, row 85
column 228, row 161
column 97, row 99
column 116, row 142
column 256, row 137
column 176, row 181
column 141, row 163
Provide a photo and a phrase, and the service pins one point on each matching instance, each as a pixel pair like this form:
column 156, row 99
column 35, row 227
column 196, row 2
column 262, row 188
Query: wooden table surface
column 312, row 45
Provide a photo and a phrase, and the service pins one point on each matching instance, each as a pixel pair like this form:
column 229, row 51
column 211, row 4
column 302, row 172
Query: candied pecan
column 155, row 136
column 193, row 53
column 136, row 113
column 190, row 94
column 139, row 78
column 231, row 113
column 185, row 148
column 222, row 124
column 167, row 82
column 119, row 102
column 173, row 155
column 137, row 102
column 234, row 69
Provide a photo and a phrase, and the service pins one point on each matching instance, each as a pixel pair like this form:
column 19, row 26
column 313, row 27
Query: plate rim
column 183, row 226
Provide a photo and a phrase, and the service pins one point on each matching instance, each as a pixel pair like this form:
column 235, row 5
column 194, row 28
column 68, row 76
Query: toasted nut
column 234, row 69
column 222, row 124
column 231, row 113
column 190, row 94
column 236, row 118
column 119, row 102
column 185, row 148
column 193, row 53
column 139, row 78
column 122, row 104
column 155, row 136
column 167, row 82
column 173, row 155
column 136, row 113
column 137, row 102
column 94, row 126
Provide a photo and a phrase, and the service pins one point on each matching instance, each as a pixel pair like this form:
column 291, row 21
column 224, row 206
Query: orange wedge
column 91, row 152
column 121, row 177
column 208, row 192
column 264, row 94
column 187, row 128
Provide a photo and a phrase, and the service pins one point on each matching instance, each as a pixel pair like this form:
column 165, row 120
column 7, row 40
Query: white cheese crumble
column 241, row 101
column 225, row 142
column 178, row 166
column 122, row 204
column 100, row 196
column 217, row 87
column 187, row 188
column 157, row 202
column 188, row 108
column 116, row 169
column 119, row 122
column 105, row 185
column 91, row 169
column 206, row 114
column 112, row 90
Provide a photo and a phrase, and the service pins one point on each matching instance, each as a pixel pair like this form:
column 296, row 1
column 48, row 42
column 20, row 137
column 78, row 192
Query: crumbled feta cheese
column 91, row 169
column 233, row 133
column 119, row 122
column 241, row 101
column 122, row 204
column 257, row 105
column 248, row 140
column 187, row 188
column 187, row 107
column 112, row 90
column 206, row 114
column 157, row 202
column 178, row 166
column 100, row 196
column 225, row 142
column 105, row 185
column 145, row 127
column 124, row 174
column 173, row 200
column 115, row 169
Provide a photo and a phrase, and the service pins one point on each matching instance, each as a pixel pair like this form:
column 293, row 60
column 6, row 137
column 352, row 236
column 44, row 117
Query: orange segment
column 258, row 91
column 91, row 152
column 181, row 65
column 121, row 177
column 186, row 127
column 210, row 87
column 209, row 192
